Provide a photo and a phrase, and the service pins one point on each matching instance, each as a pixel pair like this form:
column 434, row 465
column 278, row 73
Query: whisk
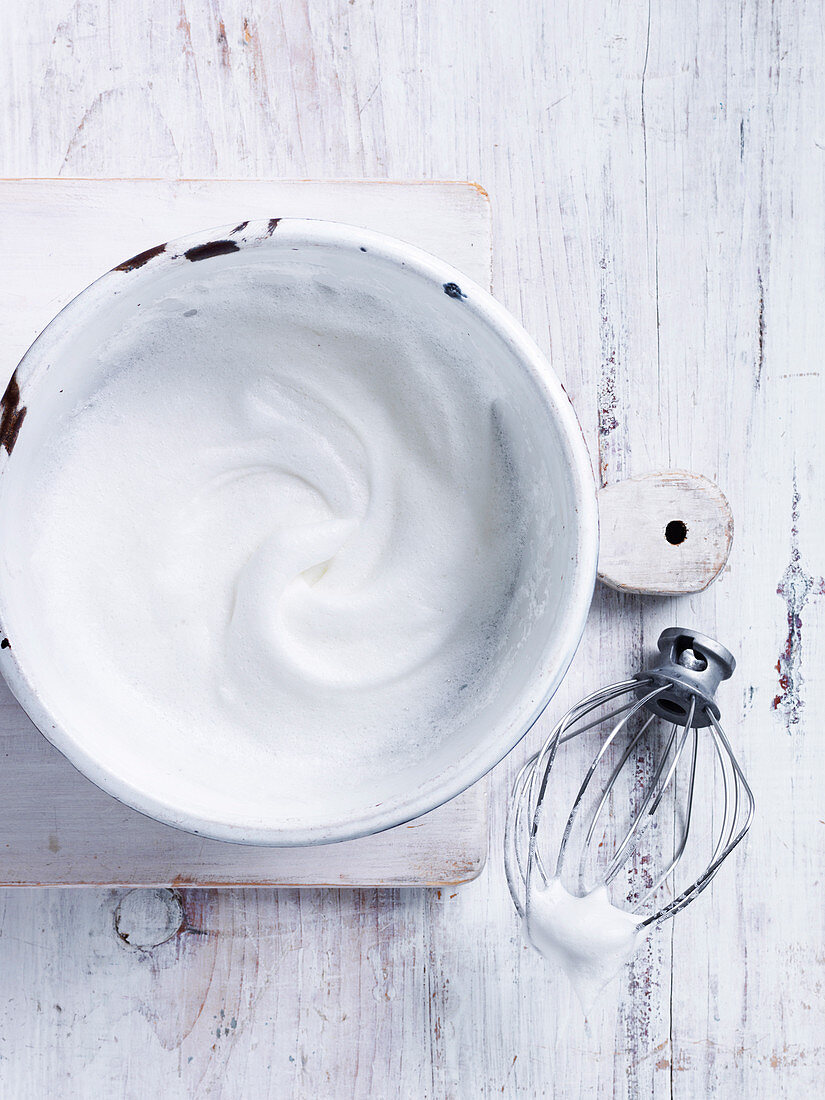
column 660, row 726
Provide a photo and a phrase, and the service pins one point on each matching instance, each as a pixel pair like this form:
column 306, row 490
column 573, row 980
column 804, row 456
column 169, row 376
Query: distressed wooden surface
column 665, row 534
column 656, row 173
column 56, row 236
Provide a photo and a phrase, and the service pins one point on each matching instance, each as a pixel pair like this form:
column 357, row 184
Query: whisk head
column 653, row 741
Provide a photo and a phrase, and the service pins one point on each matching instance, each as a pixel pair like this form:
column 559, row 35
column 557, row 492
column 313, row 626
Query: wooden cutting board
column 57, row 828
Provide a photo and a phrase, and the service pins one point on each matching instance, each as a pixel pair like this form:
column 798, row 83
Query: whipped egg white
column 277, row 532
column 589, row 937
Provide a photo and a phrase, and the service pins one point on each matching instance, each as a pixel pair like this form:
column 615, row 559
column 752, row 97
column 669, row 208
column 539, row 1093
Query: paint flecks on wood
column 607, row 410
column 223, row 45
column 760, row 329
column 253, row 51
column 796, row 587
column 607, row 401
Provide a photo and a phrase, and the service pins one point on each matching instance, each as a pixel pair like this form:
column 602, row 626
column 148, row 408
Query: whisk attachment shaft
column 645, row 762
column 691, row 667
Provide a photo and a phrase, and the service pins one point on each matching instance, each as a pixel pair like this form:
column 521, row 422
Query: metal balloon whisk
column 656, row 737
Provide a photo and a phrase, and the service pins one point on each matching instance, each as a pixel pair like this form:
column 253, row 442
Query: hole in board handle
column 676, row 532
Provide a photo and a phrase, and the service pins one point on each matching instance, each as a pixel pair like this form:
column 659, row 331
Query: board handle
column 664, row 534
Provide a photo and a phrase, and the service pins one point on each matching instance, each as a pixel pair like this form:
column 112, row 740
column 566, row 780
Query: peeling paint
column 760, row 329
column 796, row 587
column 607, row 401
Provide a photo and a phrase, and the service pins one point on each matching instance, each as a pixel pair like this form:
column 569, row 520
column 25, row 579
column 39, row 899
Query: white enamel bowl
column 188, row 790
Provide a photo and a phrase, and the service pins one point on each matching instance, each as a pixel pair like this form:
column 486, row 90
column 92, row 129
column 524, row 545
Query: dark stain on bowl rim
column 210, row 249
column 198, row 251
column 13, row 414
column 453, row 290
column 141, row 258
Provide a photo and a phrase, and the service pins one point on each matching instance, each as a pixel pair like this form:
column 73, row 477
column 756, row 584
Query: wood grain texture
column 656, row 173
column 665, row 534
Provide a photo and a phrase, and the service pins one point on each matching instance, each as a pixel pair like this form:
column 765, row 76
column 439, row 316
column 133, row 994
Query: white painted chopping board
column 56, row 827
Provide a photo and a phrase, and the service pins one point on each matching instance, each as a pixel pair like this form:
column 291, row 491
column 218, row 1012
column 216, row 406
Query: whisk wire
column 546, row 757
column 642, row 819
column 619, row 726
column 527, row 797
column 614, row 775
column 680, row 849
column 728, row 841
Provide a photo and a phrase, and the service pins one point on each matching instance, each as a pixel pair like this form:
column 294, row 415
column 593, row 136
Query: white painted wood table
column 656, row 174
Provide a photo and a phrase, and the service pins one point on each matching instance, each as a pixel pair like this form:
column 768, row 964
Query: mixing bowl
column 211, row 790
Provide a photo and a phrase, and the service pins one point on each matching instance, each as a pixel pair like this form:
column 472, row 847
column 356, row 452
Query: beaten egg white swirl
column 304, row 536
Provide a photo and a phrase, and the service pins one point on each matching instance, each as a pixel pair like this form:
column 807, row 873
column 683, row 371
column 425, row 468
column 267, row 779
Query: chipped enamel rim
column 308, row 233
